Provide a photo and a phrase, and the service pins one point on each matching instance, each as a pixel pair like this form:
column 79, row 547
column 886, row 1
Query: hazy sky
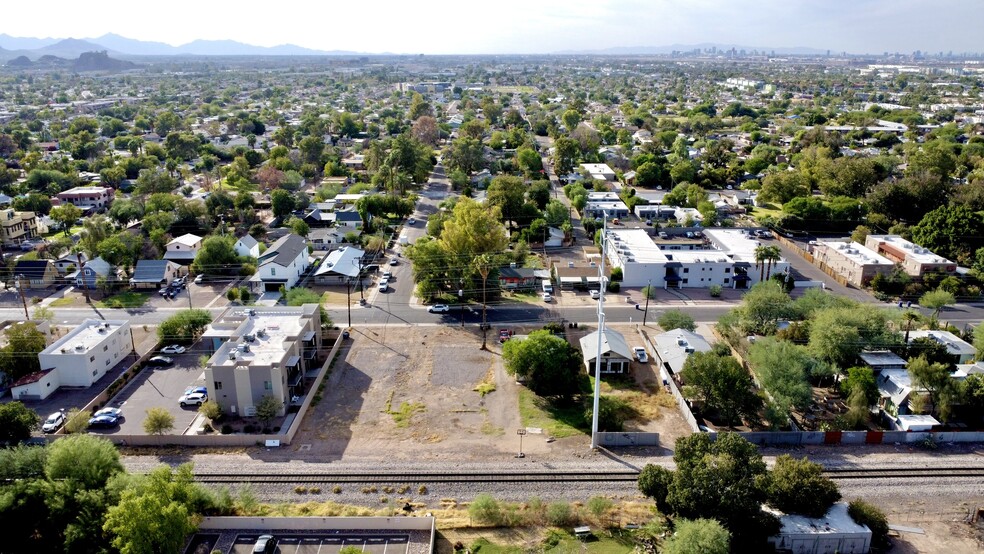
column 516, row 26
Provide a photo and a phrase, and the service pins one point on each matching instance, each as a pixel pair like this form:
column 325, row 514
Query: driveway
column 156, row 387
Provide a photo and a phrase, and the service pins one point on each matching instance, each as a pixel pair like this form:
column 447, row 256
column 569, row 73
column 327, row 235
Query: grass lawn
column 556, row 421
column 766, row 210
column 125, row 299
column 62, row 302
column 598, row 544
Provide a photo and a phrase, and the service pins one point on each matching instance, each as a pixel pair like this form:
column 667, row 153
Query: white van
column 547, row 286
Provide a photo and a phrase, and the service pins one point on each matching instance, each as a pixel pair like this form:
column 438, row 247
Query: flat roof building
column 259, row 352
column 836, row 531
column 78, row 359
column 852, row 261
column 914, row 259
column 600, row 172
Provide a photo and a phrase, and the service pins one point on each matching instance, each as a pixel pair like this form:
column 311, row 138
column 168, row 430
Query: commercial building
column 723, row 257
column 605, row 205
column 78, row 359
column 259, row 352
column 914, row 259
column 89, row 199
column 852, row 261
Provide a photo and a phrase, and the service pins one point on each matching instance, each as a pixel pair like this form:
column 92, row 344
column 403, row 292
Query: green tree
column 65, row 215
column 654, row 482
column 979, row 340
column 158, row 422
column 549, row 363
column 685, row 195
column 798, row 486
column 783, row 186
column 676, row 319
column 720, row 479
column 862, row 378
column 76, row 421
column 155, row 515
column 184, row 326
column 267, row 408
column 935, row 379
column 87, row 460
column 762, row 307
column 298, row 226
column 125, row 210
column 485, row 509
column 529, row 161
column 698, row 536
column 838, row 334
column 508, row 194
column 282, row 203
column 783, row 369
column 17, row 422
column 217, row 256
column 566, row 151
column 723, row 384
column 20, row 356
column 465, row 154
column 936, row 300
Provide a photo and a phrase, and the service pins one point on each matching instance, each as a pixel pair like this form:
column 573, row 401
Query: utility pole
column 649, row 290
column 601, row 336
column 20, row 289
column 348, row 286
column 85, row 284
column 483, row 270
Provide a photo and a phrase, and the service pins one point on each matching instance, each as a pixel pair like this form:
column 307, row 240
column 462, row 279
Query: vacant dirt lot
column 416, row 394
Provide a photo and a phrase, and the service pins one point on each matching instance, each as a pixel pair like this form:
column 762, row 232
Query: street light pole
column 20, row 289
column 601, row 336
column 461, row 300
column 348, row 286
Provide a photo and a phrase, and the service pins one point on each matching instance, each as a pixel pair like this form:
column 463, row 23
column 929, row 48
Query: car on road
column 411, row 221
column 504, row 335
column 547, row 297
column 53, row 422
column 387, row 275
column 439, row 309
column 640, row 354
column 265, row 544
column 383, row 285
column 394, row 261
column 193, row 399
column 160, row 361
column 595, row 295
column 173, row 349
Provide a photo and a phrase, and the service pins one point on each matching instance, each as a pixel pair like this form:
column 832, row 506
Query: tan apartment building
column 853, row 261
column 914, row 259
column 261, row 351
column 17, row 226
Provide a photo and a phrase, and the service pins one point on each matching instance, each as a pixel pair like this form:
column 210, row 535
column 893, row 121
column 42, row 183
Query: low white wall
column 425, row 523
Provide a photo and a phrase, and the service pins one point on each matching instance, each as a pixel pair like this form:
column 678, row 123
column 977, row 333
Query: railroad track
column 549, row 476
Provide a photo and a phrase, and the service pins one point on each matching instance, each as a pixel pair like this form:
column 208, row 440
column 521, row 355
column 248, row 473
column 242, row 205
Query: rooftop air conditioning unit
column 689, row 350
column 232, row 355
column 79, row 347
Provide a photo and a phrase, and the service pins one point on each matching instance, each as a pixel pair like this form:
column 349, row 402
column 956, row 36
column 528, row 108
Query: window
column 273, row 271
column 92, row 358
column 107, row 361
column 105, row 347
column 267, row 385
column 727, row 270
column 686, row 270
column 685, row 281
column 726, row 280
column 218, row 385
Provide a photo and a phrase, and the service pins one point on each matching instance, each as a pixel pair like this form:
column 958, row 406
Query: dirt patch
column 432, row 393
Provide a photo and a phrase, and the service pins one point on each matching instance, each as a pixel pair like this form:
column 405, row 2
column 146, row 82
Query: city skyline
column 550, row 26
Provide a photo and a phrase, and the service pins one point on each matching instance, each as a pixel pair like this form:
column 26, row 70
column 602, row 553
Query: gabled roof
column 284, row 251
column 248, row 241
column 187, row 239
column 343, row 261
column 32, row 269
column 151, row 271
column 347, row 215
column 99, row 266
column 517, row 273
column 612, row 341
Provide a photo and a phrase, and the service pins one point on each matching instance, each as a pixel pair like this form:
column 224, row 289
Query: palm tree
column 760, row 257
column 908, row 317
column 772, row 254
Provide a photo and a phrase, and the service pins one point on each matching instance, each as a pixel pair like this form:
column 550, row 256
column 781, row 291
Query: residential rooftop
column 88, row 335
column 858, row 253
column 911, row 249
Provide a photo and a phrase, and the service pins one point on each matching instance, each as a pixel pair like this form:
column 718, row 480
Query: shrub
column 336, row 489
column 715, row 291
column 315, row 490
column 614, row 286
column 560, row 514
column 599, row 506
column 867, row 514
column 485, row 509
column 233, row 294
column 422, row 489
column 300, row 489
column 211, row 410
column 227, row 429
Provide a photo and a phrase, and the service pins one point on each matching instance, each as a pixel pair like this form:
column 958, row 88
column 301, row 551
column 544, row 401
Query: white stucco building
column 78, row 359
column 726, row 258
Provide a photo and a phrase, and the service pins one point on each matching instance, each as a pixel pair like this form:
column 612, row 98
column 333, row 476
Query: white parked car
column 383, row 285
column 53, row 422
column 640, row 354
column 193, row 399
column 173, row 349
column 595, row 294
column 439, row 309
column 547, row 297
column 199, row 279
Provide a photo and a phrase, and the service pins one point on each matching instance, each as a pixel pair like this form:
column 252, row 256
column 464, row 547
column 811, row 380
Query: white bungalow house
column 281, row 265
column 246, row 245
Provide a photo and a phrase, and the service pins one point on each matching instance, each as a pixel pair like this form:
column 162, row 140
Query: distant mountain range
column 669, row 49
column 119, row 46
column 87, row 61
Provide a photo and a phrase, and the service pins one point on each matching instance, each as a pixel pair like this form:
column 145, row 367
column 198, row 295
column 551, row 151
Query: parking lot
column 327, row 544
column 201, row 296
column 159, row 387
